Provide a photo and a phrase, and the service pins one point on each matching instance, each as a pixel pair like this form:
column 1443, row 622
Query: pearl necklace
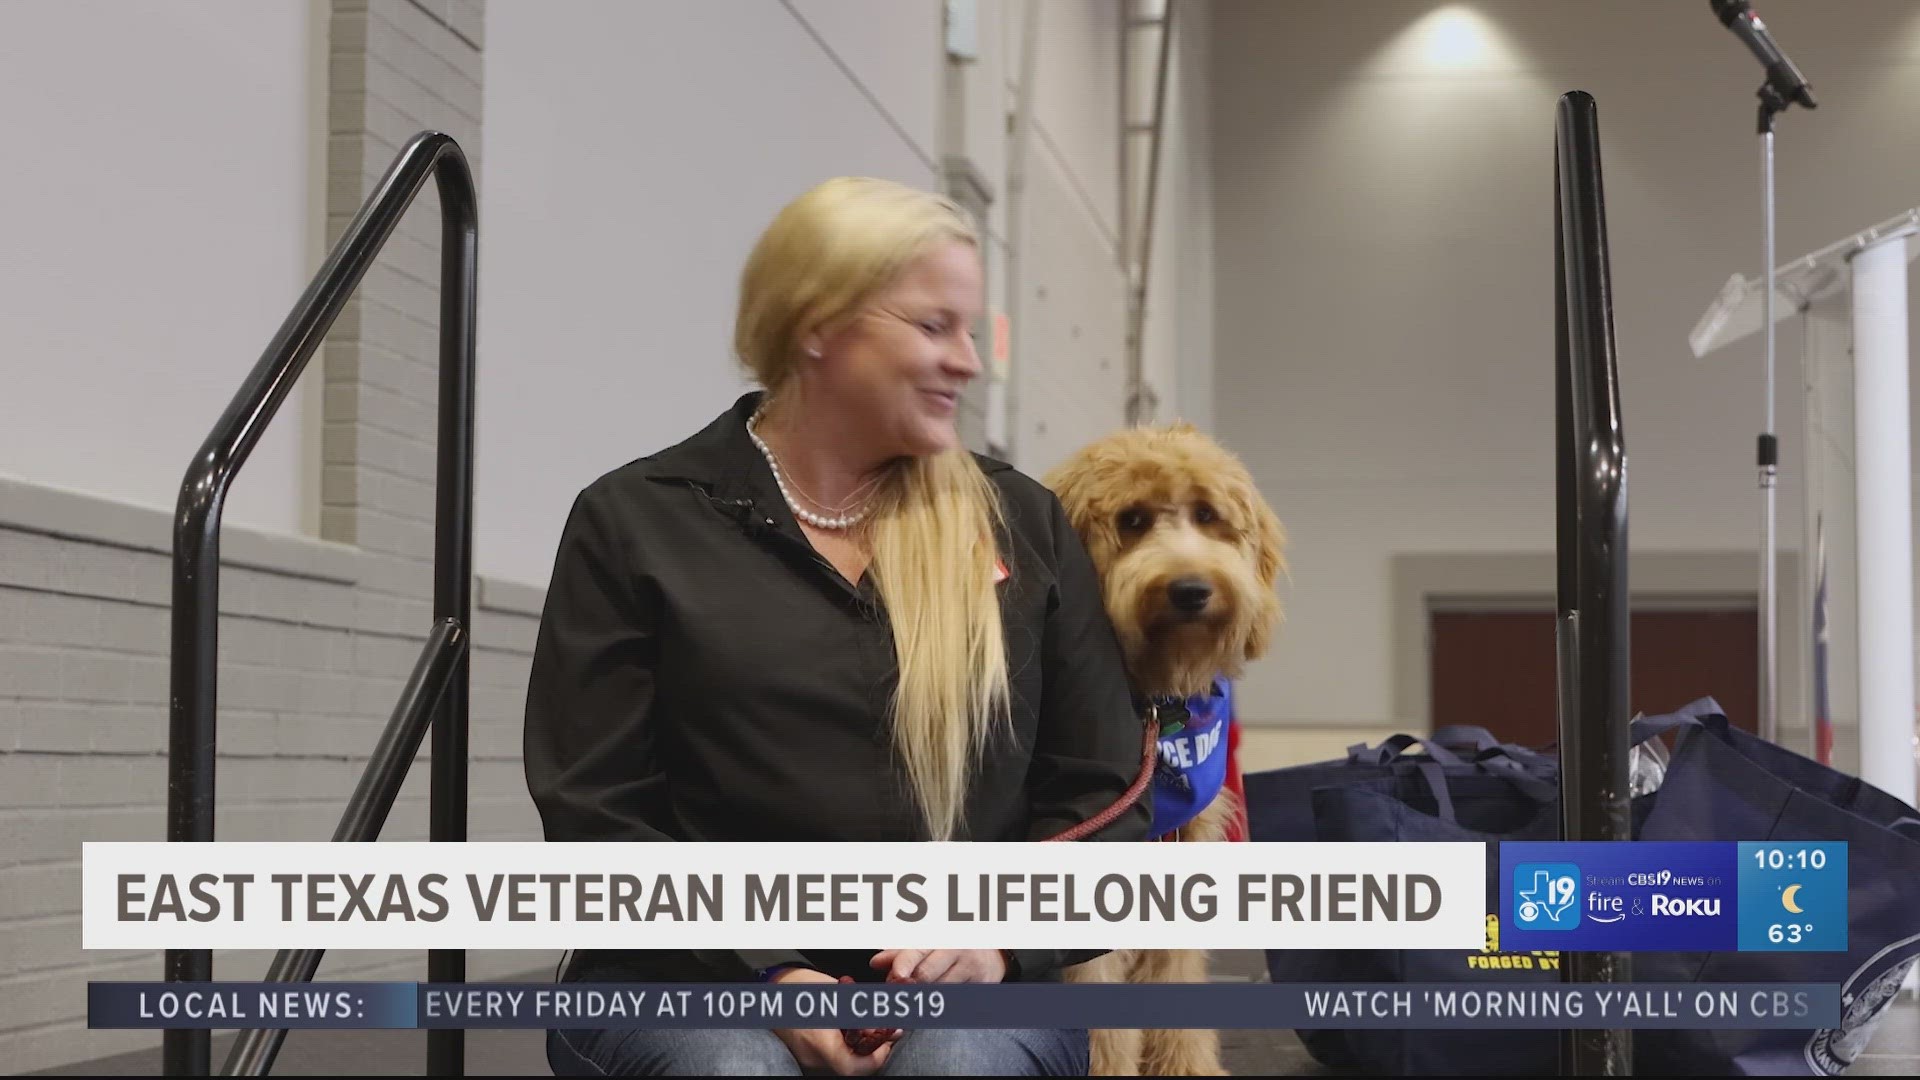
column 818, row 521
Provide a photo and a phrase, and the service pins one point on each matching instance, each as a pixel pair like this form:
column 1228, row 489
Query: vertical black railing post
column 453, row 555
column 190, row 736
column 1591, row 501
column 192, row 728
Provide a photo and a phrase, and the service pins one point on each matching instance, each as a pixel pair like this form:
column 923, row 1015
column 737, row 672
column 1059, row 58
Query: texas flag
column 1822, row 716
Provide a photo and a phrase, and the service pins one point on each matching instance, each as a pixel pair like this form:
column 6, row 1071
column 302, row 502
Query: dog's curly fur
column 1155, row 506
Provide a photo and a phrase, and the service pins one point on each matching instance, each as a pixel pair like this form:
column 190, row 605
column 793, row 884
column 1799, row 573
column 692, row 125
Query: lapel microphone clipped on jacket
column 743, row 513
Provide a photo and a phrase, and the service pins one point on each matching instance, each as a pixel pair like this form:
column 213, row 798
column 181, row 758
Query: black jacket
column 702, row 674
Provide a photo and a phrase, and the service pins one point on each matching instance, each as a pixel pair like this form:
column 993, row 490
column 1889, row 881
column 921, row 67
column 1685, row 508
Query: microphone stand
column 1783, row 86
column 1772, row 103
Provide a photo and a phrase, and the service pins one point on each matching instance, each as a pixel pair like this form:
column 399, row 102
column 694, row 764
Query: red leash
column 1149, row 757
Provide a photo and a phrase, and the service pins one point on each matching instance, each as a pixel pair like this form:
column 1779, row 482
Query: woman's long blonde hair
column 935, row 517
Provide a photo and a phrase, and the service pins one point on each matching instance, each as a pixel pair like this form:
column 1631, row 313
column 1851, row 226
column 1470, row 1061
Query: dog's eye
column 1133, row 519
column 1204, row 515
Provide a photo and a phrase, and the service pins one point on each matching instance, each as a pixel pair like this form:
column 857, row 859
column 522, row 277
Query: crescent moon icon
column 1786, row 898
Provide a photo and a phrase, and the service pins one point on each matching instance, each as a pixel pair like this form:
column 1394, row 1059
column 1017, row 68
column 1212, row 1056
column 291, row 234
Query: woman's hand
column 826, row 1049
column 942, row 965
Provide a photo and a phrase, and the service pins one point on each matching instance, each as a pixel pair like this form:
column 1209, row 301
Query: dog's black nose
column 1189, row 594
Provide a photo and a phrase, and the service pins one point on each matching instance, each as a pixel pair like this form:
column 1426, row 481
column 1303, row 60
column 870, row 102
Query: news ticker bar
column 388, row 1005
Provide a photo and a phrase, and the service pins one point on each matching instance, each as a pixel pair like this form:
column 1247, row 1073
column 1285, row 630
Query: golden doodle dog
column 1188, row 554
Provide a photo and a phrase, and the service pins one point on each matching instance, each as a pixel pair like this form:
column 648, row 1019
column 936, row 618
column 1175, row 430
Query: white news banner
column 782, row 896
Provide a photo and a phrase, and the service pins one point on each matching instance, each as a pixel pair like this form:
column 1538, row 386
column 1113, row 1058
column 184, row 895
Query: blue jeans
column 745, row 1052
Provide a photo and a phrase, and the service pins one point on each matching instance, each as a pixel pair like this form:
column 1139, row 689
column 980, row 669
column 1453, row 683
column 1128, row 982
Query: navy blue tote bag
column 1721, row 784
column 1460, row 785
column 1432, row 807
column 1724, row 784
column 1280, row 801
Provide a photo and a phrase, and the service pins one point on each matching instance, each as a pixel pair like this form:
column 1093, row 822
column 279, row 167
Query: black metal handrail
column 439, row 689
column 254, row 1052
column 1591, row 493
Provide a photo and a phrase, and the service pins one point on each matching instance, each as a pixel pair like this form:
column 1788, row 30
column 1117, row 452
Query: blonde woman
column 820, row 618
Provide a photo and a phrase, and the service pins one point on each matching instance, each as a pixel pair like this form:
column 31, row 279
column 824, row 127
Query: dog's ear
column 1072, row 482
column 1269, row 562
column 1270, row 539
column 1081, row 484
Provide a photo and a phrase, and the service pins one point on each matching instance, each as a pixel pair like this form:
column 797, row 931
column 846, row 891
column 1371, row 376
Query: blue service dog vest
column 1193, row 757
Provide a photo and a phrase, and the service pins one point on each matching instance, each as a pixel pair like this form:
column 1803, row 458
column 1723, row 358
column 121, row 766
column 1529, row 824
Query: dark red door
column 1496, row 669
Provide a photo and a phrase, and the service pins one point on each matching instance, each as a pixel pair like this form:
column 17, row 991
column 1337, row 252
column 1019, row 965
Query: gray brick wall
column 317, row 636
column 395, row 68
column 310, row 667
